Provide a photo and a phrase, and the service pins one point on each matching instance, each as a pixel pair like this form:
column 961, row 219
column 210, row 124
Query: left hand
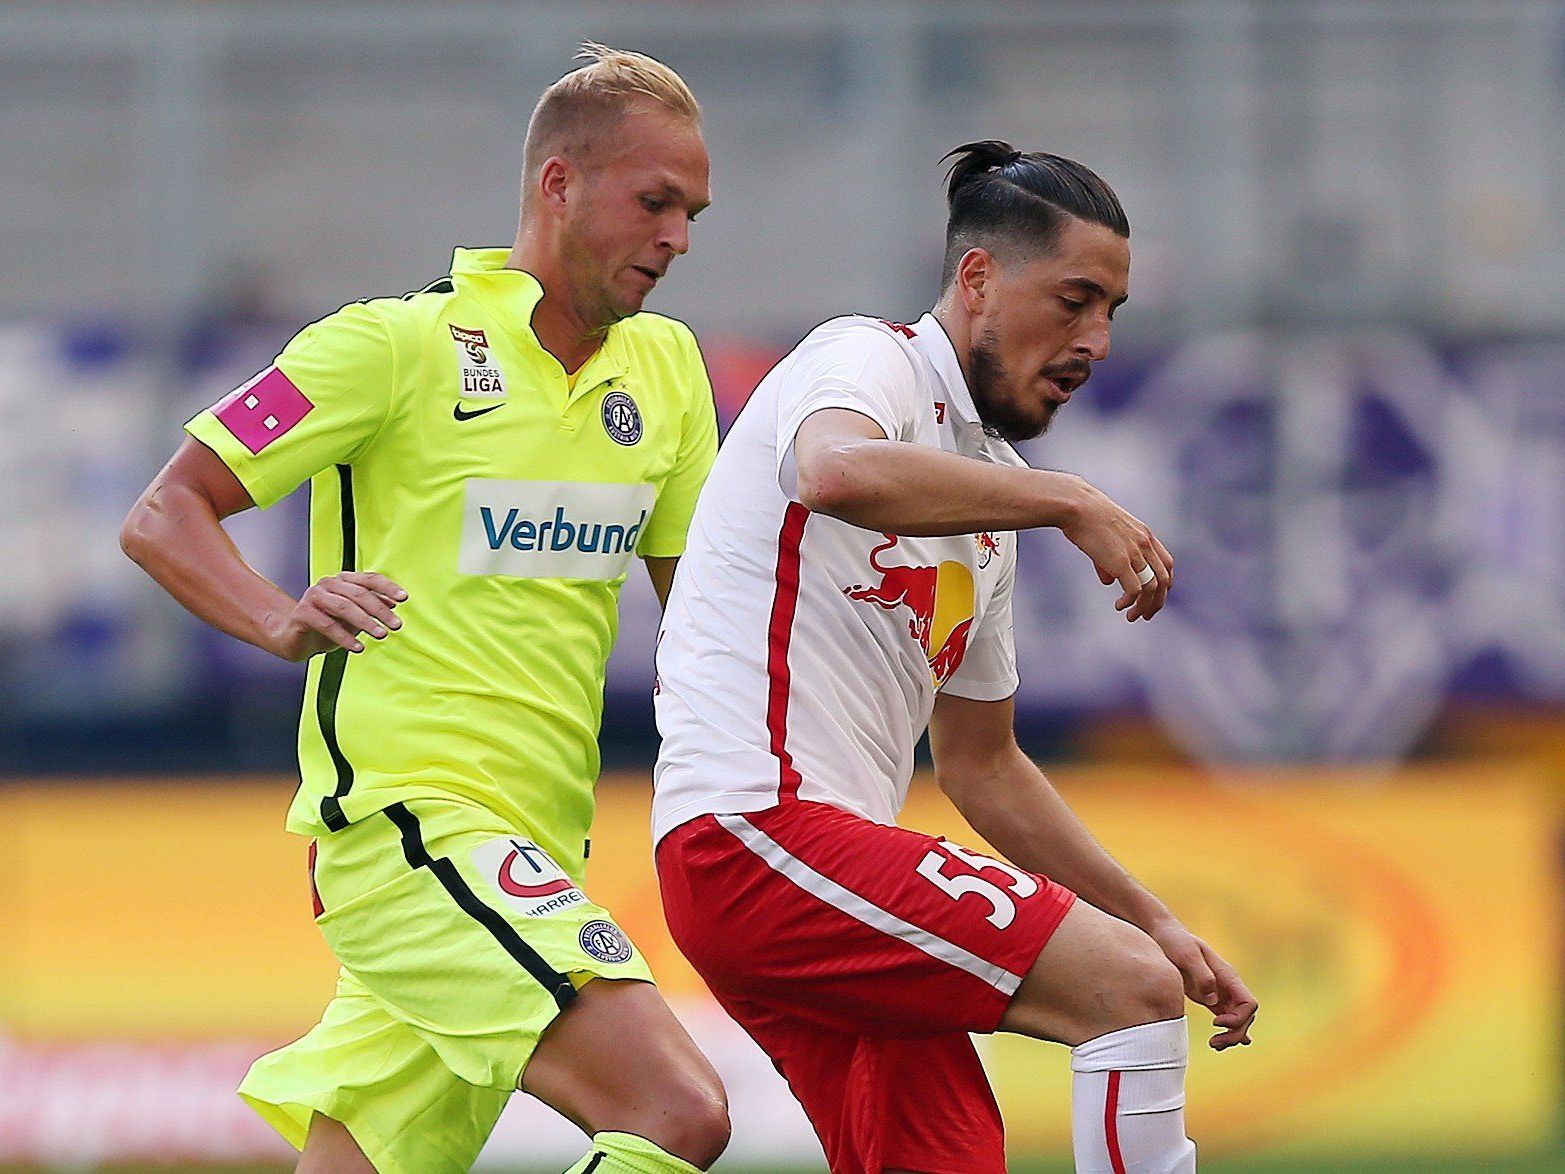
column 1211, row 982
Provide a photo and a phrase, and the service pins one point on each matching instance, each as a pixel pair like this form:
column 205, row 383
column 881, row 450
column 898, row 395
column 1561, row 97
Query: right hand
column 1209, row 981
column 333, row 612
column 1120, row 545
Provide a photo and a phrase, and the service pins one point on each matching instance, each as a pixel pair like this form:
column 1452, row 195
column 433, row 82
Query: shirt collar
column 486, row 268
column 518, row 294
column 932, row 341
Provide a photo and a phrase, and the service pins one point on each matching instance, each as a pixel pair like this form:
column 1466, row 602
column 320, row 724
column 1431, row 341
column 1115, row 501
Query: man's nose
column 1093, row 343
column 676, row 235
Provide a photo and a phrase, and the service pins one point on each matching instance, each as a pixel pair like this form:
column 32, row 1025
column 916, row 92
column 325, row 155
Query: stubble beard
column 591, row 295
column 1000, row 416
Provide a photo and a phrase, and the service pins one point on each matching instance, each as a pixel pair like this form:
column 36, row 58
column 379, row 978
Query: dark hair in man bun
column 999, row 195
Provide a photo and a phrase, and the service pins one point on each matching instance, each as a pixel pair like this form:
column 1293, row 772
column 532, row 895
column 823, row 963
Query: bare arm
column 661, row 572
column 1010, row 803
column 850, row 470
column 174, row 532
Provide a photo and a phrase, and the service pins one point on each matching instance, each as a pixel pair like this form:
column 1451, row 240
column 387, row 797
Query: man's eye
column 652, row 204
column 1072, row 305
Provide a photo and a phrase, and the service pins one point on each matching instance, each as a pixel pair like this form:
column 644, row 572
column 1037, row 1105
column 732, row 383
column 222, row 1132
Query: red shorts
column 859, row 957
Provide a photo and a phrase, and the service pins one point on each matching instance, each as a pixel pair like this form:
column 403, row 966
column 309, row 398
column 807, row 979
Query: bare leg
column 1097, row 974
column 1106, row 989
column 330, row 1149
column 618, row 1061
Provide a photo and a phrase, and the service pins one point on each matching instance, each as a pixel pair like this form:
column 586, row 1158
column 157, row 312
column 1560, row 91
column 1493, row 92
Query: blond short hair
column 586, row 102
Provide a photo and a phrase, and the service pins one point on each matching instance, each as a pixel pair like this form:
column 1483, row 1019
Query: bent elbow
column 816, row 496
column 133, row 537
column 144, row 524
column 828, row 485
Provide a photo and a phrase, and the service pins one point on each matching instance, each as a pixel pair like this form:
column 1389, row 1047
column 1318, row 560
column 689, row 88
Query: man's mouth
column 1065, row 384
column 647, row 271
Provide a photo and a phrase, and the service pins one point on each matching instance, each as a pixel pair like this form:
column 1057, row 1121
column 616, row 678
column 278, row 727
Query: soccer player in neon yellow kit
column 486, row 456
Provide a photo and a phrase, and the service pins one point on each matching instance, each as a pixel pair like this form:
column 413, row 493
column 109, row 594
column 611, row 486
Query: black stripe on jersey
column 441, row 285
column 329, row 687
column 326, row 693
column 504, row 932
column 597, row 1156
column 350, row 534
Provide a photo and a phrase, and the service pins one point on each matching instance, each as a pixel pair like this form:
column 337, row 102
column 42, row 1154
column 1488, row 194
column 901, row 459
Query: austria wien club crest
column 621, row 418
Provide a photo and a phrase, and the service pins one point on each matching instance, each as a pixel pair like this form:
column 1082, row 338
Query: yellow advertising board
column 1402, row 938
column 1400, row 931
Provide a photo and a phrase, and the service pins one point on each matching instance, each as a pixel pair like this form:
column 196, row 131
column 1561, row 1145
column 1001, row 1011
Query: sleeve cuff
column 837, row 399
column 981, row 690
column 787, row 469
column 210, row 432
column 657, row 550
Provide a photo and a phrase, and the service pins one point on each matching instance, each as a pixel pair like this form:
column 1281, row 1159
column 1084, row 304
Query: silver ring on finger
column 1146, row 575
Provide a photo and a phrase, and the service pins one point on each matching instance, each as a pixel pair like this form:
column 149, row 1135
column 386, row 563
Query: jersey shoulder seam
column 375, row 308
column 881, row 329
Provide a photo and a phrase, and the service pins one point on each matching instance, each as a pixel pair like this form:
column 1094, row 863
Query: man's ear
column 553, row 184
column 974, row 275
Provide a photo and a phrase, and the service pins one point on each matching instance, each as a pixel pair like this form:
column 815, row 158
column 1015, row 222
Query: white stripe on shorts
column 861, row 910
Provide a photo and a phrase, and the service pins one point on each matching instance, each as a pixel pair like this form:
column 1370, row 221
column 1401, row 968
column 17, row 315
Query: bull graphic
column 939, row 598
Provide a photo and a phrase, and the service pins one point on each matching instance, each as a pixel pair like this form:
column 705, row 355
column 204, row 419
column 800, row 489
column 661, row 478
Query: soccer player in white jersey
column 846, row 585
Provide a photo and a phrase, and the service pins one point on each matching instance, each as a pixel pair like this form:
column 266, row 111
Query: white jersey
column 800, row 656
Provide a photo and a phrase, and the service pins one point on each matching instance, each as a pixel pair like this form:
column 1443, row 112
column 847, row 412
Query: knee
column 1097, row 975
column 696, row 1123
column 1136, row 984
column 1151, row 987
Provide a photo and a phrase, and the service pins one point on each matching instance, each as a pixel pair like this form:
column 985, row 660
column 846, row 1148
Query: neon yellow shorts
column 460, row 941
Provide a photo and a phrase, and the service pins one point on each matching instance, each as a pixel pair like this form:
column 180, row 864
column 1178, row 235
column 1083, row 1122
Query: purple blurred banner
column 1365, row 525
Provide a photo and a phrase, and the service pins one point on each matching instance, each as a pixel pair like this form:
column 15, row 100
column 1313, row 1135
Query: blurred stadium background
column 1338, row 393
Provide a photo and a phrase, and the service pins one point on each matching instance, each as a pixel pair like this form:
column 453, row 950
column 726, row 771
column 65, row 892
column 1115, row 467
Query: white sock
column 1128, row 1101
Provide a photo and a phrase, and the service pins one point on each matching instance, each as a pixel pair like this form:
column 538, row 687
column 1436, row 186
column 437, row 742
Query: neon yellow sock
column 625, row 1153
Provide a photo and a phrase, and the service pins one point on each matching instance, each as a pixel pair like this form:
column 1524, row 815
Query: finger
column 1236, row 1010
column 370, row 600
column 1236, row 997
column 1103, row 576
column 1130, row 584
column 1164, row 563
column 350, row 614
column 335, row 632
column 1200, row 982
column 1235, row 1033
column 388, row 604
column 1233, row 1009
column 1162, row 553
column 1145, row 588
column 1157, row 589
column 1229, row 1039
column 376, row 582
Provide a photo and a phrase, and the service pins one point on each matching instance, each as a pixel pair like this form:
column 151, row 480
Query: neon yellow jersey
column 447, row 451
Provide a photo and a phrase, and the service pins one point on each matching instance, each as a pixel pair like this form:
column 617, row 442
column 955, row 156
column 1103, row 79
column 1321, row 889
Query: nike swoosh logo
column 461, row 415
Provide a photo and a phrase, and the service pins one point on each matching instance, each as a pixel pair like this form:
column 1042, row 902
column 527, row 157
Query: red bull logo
column 988, row 547
column 940, row 599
